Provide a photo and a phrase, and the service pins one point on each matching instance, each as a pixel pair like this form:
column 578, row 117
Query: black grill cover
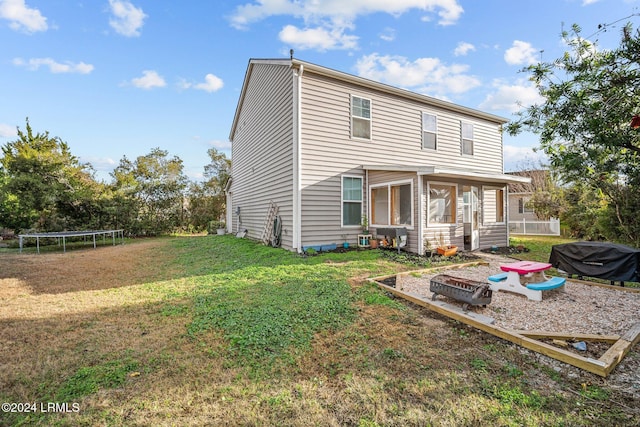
column 607, row 261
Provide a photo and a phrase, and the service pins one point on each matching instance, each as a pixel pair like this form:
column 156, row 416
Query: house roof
column 438, row 172
column 537, row 175
column 350, row 78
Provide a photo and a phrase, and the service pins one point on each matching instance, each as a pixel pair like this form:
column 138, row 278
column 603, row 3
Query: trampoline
column 64, row 234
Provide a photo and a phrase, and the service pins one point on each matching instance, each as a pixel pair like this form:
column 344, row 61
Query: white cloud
column 520, row 158
column 127, row 19
column 220, row 145
column 317, row 38
column 521, row 53
column 103, row 164
column 339, row 10
column 511, row 97
column 426, row 75
column 388, row 34
column 212, row 83
column 21, row 17
column 326, row 21
column 7, row 131
column 588, row 2
column 149, row 80
column 34, row 64
column 463, row 48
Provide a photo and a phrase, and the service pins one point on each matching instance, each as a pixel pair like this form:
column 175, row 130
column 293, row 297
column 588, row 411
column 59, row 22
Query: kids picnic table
column 526, row 278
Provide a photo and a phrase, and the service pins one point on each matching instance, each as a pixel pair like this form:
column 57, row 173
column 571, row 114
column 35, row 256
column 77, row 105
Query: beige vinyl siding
column 493, row 235
column 262, row 151
column 328, row 151
column 396, row 131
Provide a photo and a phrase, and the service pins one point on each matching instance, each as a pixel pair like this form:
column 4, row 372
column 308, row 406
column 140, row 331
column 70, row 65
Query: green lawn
column 236, row 333
column 538, row 247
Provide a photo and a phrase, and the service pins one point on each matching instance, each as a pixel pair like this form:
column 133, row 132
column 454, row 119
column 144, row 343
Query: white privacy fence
column 547, row 228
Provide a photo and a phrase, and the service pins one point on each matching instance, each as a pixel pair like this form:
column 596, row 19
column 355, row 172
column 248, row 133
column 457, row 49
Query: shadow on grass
column 197, row 347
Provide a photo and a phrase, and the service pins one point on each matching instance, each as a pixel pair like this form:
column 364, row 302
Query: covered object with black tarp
column 608, row 261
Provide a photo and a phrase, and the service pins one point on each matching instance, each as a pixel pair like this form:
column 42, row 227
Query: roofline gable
column 360, row 81
column 404, row 93
column 247, row 76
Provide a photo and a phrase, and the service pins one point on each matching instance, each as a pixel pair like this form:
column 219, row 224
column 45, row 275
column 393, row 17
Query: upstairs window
column 467, row 138
column 429, row 131
column 360, row 117
column 351, row 201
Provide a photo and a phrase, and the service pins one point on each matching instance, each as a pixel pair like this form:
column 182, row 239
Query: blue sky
column 116, row 78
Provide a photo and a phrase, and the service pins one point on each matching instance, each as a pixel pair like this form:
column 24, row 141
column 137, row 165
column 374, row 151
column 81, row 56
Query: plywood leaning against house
column 620, row 345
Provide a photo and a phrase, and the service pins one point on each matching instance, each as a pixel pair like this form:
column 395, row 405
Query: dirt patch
column 81, row 270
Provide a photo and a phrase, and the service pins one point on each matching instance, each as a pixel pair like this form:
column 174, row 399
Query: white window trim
column 473, row 139
column 342, row 200
column 431, row 113
column 504, row 204
column 440, row 224
column 389, row 185
column 525, row 209
column 370, row 119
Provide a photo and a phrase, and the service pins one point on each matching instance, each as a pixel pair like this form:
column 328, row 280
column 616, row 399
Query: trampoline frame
column 64, row 234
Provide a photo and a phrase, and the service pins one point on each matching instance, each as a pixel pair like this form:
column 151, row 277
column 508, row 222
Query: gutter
column 297, row 158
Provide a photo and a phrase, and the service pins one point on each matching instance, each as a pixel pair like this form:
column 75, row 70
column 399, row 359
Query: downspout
column 507, row 206
column 420, row 214
column 297, row 159
column 365, row 190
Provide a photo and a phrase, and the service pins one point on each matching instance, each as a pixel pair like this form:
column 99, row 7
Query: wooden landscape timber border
column 621, row 345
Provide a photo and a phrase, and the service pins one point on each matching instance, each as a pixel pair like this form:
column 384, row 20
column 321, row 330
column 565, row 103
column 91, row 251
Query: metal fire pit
column 470, row 292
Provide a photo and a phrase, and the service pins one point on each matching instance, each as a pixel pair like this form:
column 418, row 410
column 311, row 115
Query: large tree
column 590, row 98
column 43, row 186
column 149, row 193
column 207, row 201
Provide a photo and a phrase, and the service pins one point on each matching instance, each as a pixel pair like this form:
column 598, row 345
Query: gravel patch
column 581, row 308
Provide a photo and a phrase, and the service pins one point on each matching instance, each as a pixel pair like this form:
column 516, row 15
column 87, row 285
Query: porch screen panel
column 401, row 204
column 442, row 204
column 380, row 206
column 493, row 202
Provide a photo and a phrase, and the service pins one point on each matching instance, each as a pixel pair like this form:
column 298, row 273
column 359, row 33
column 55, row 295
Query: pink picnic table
column 519, row 274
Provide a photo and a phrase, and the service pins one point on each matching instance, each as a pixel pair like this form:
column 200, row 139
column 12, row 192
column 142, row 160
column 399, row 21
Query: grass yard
column 538, row 247
column 214, row 330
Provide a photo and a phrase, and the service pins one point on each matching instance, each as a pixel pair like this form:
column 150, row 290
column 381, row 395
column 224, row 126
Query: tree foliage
column 43, row 186
column 150, row 193
column 591, row 96
column 207, row 200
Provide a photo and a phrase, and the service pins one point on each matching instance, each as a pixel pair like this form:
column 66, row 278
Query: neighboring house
column 328, row 148
column 520, row 194
column 522, row 215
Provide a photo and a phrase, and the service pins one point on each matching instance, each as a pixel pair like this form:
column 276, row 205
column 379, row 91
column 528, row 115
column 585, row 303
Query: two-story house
column 329, row 148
